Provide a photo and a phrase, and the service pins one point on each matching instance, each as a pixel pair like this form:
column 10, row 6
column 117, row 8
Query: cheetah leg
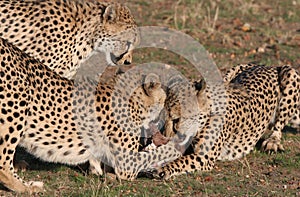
column 288, row 106
column 129, row 163
column 296, row 120
column 11, row 182
column 10, row 136
column 14, row 183
column 185, row 164
column 7, row 176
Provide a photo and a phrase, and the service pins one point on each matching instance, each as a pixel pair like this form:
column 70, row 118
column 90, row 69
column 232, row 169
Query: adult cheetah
column 273, row 143
column 251, row 98
column 64, row 33
column 58, row 120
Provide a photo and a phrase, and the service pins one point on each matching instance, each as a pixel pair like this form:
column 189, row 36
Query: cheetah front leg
column 185, row 164
column 14, row 183
column 198, row 161
column 11, row 130
column 129, row 163
column 7, row 176
column 288, row 106
column 295, row 122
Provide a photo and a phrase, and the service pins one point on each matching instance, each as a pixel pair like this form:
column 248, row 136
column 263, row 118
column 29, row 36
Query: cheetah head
column 187, row 109
column 118, row 35
column 153, row 97
column 140, row 99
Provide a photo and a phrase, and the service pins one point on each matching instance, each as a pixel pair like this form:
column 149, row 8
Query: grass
column 216, row 24
column 259, row 174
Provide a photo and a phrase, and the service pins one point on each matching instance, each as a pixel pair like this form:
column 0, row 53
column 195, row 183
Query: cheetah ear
column 200, row 87
column 174, row 81
column 110, row 13
column 151, row 83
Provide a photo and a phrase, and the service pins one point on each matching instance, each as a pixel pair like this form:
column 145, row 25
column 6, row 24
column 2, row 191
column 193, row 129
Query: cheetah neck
column 88, row 26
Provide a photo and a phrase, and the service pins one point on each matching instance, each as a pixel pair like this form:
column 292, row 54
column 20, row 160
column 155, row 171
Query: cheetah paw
column 97, row 171
column 164, row 175
column 21, row 165
column 95, row 167
column 272, row 145
column 160, row 174
column 35, row 186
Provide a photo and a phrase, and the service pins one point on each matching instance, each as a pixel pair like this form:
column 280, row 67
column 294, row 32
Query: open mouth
column 152, row 137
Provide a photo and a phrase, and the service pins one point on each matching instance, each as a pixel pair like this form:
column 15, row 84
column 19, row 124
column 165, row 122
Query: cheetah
column 62, row 34
column 232, row 116
column 58, row 120
column 273, row 143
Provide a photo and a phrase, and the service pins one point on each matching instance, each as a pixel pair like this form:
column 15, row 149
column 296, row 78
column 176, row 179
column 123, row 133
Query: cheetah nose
column 127, row 62
column 127, row 58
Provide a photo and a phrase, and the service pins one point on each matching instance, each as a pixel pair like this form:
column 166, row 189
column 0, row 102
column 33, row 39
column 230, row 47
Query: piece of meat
column 157, row 138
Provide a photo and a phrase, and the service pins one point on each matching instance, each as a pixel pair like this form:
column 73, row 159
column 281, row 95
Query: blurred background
column 233, row 31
